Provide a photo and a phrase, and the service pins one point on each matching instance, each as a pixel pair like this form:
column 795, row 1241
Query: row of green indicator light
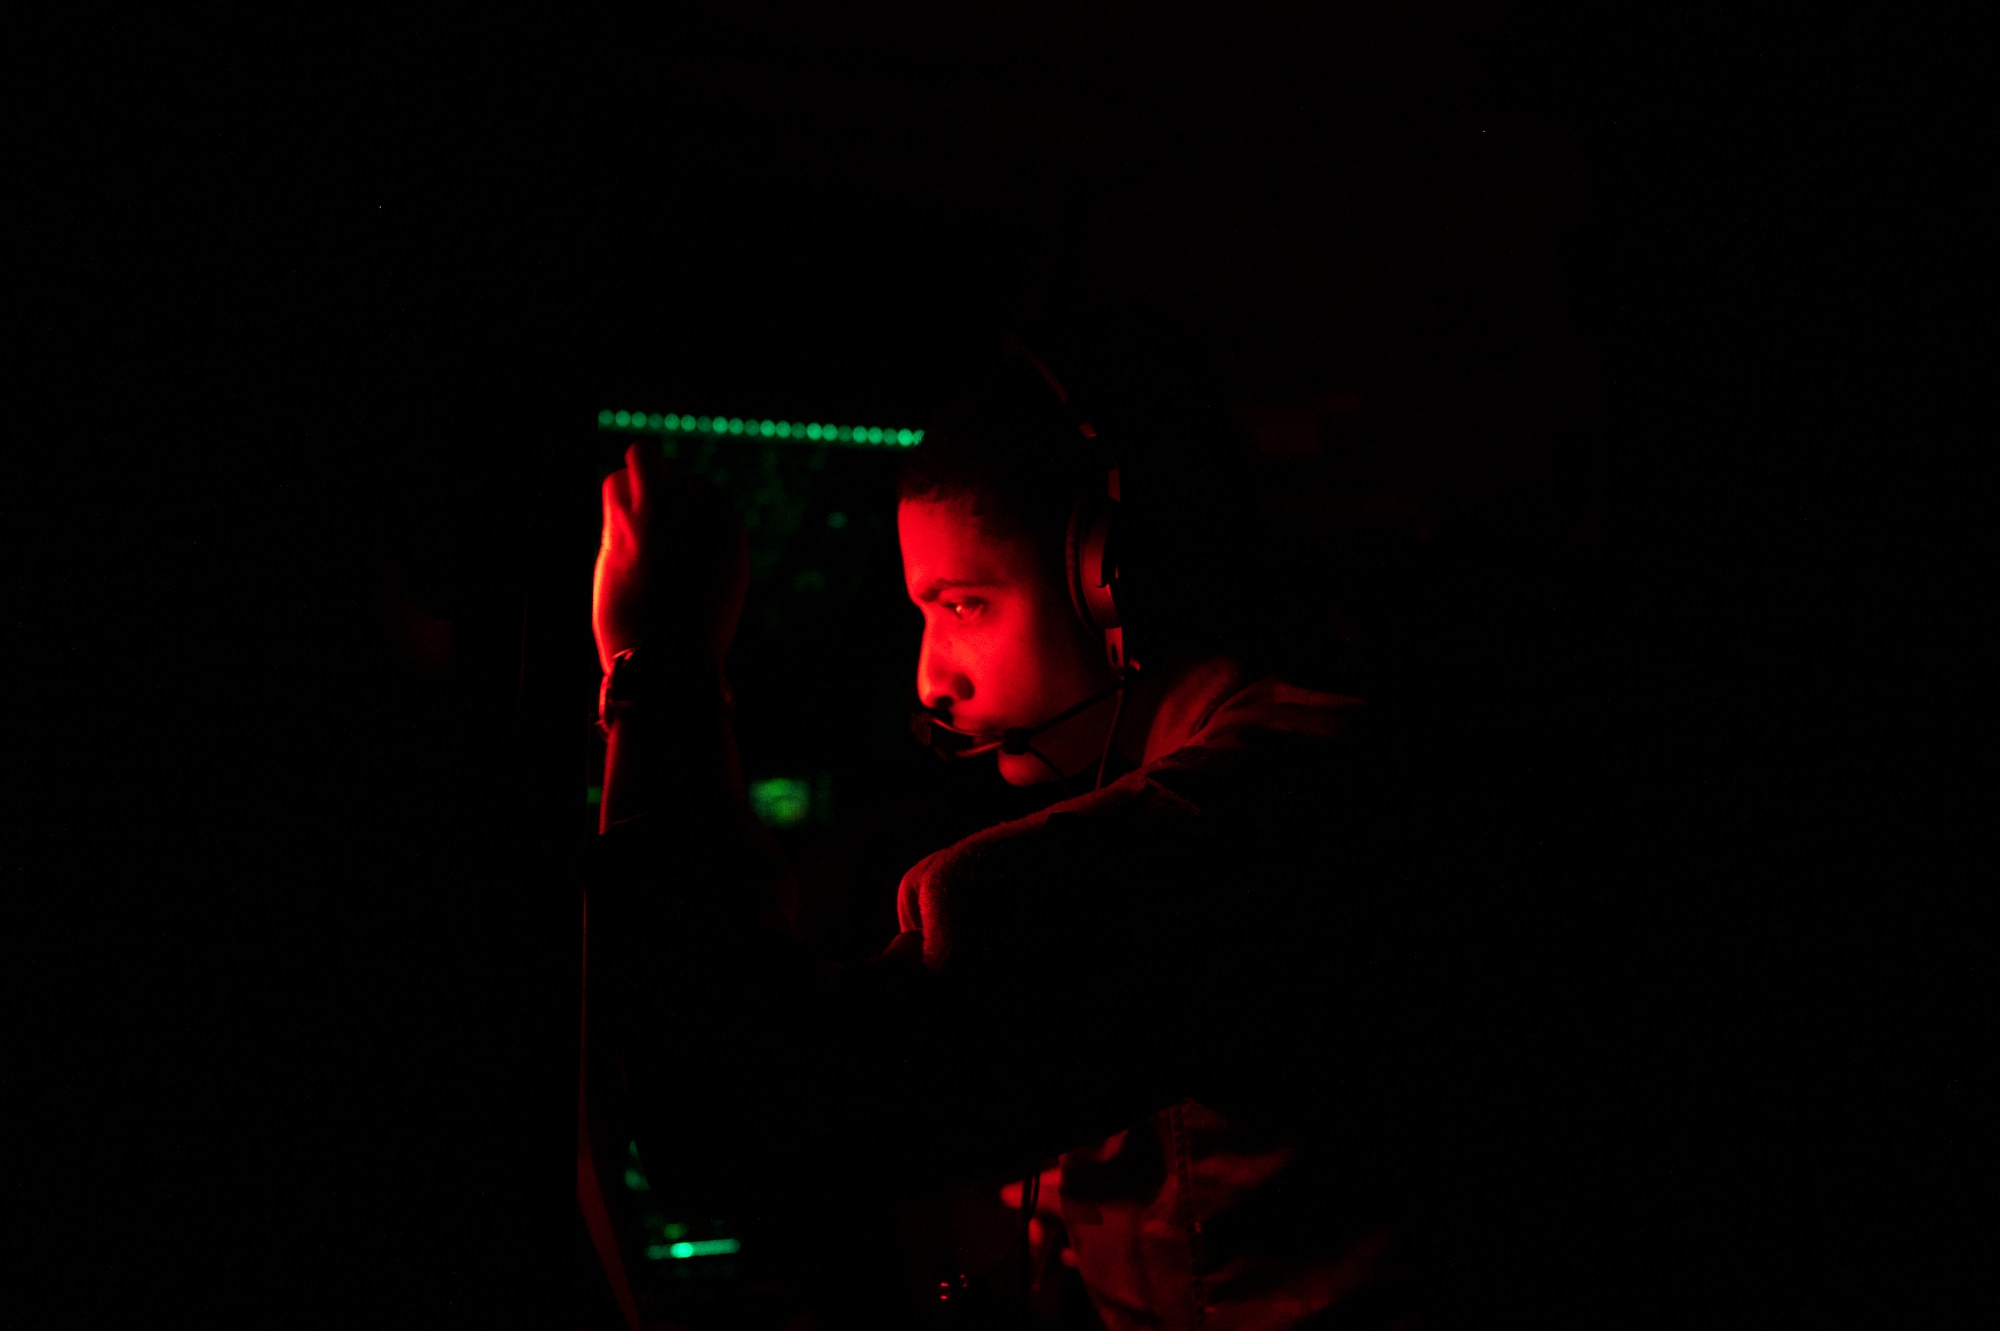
column 656, row 423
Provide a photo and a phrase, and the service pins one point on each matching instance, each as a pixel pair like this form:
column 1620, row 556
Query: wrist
column 643, row 679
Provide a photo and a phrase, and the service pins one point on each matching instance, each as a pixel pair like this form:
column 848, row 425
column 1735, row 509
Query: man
column 1183, row 981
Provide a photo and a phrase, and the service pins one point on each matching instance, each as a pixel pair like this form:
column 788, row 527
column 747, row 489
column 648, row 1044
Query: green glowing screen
column 782, row 801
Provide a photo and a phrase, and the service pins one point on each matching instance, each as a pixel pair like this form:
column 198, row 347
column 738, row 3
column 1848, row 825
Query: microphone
column 933, row 728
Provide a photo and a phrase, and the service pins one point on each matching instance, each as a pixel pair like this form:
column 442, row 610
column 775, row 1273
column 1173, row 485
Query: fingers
column 652, row 489
column 640, row 485
column 650, row 473
column 617, row 490
column 634, row 473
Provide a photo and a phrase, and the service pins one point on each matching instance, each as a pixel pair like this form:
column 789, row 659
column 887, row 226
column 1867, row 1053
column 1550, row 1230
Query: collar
column 1220, row 701
column 1193, row 695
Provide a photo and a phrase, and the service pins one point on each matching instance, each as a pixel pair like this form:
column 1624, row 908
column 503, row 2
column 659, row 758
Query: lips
column 973, row 726
column 968, row 726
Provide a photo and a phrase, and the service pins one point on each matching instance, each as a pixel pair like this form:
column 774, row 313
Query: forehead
column 945, row 541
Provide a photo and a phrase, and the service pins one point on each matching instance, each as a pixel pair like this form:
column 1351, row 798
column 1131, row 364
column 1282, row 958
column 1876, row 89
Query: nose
column 938, row 684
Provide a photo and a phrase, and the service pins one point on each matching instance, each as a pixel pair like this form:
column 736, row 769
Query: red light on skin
column 1002, row 645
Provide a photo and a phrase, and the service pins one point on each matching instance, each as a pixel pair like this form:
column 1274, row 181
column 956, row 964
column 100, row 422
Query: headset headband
column 1090, row 553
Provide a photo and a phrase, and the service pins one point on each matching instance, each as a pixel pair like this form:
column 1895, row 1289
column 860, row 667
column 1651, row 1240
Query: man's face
column 1002, row 646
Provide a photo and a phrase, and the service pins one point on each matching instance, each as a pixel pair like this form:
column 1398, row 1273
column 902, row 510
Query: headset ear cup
column 1091, row 563
column 1073, row 562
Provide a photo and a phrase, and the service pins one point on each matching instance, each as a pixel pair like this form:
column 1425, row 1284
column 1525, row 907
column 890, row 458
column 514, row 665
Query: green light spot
column 903, row 438
column 653, row 420
column 875, row 435
column 697, row 1248
column 736, row 425
column 812, row 430
column 798, row 429
column 674, row 1229
column 687, row 422
column 916, row 436
column 767, row 428
column 604, row 417
column 637, row 1181
column 671, row 421
column 623, row 418
column 593, row 795
column 835, row 520
column 704, row 425
column 784, row 430
column 780, row 801
column 846, row 433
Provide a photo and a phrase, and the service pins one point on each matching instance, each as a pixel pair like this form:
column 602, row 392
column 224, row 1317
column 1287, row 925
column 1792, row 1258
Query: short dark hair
column 1189, row 538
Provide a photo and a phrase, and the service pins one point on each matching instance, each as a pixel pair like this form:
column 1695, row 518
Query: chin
column 1023, row 769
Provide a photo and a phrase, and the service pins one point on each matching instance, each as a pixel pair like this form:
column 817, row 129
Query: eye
column 964, row 609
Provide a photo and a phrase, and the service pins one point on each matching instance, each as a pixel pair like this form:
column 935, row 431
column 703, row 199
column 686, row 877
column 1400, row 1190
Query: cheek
column 1068, row 650
column 1010, row 659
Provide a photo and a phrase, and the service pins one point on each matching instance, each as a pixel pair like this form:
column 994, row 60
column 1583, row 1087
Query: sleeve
column 759, row 1073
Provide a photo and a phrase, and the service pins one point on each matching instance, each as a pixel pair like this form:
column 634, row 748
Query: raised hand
column 673, row 565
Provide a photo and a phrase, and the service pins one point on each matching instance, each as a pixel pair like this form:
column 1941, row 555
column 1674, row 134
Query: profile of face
column 1002, row 645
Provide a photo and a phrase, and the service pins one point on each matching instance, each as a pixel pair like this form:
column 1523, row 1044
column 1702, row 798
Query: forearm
column 671, row 755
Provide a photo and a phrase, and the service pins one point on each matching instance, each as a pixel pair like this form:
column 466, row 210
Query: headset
column 1090, row 562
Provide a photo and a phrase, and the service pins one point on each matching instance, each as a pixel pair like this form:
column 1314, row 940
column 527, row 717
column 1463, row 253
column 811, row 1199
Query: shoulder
column 1066, row 862
column 1136, row 803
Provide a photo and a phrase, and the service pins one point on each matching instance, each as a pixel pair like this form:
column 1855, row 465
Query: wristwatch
column 637, row 678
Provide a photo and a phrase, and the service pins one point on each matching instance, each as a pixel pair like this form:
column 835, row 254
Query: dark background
column 1597, row 370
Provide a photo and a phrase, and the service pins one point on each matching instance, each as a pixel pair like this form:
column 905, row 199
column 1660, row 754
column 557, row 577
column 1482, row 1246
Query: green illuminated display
column 653, row 422
column 693, row 1248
